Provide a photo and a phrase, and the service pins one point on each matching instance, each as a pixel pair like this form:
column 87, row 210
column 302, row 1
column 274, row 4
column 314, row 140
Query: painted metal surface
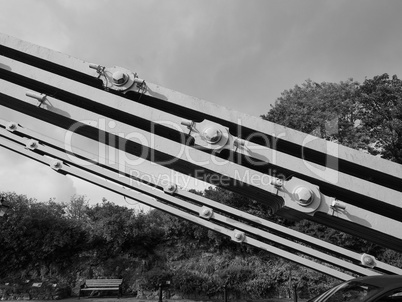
column 63, row 62
column 202, row 163
column 152, row 199
column 45, row 145
column 255, row 154
column 71, row 101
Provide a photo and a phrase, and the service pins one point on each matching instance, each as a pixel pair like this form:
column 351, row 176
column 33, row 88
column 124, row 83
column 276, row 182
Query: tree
column 117, row 230
column 364, row 116
column 77, row 207
column 381, row 113
column 37, row 235
column 238, row 201
column 326, row 110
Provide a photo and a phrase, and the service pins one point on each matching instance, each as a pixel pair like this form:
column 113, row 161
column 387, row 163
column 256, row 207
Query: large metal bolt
column 304, row 196
column 238, row 236
column 119, row 78
column 171, row 188
column 206, row 212
column 368, row 261
column 32, row 144
column 212, row 135
column 56, row 165
column 11, row 126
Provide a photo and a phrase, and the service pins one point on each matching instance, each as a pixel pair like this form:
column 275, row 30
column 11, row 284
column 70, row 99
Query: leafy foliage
column 364, row 116
column 381, row 113
column 326, row 110
column 37, row 234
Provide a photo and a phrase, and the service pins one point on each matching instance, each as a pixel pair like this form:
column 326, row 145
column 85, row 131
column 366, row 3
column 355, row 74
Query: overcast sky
column 240, row 54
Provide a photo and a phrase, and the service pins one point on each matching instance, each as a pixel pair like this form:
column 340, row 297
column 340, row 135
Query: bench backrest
column 103, row 282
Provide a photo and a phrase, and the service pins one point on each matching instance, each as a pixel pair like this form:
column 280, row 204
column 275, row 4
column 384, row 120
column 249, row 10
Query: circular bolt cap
column 56, row 165
column 212, row 135
column 11, row 126
column 367, row 260
column 119, row 78
column 304, row 196
column 238, row 236
column 32, row 144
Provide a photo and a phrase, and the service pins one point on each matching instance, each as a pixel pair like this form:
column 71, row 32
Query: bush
column 153, row 278
column 188, row 282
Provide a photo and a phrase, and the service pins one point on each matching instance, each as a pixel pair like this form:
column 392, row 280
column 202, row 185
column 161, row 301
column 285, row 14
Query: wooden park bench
column 102, row 284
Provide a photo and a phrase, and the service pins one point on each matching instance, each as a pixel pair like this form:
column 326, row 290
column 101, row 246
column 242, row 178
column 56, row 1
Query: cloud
column 35, row 22
column 23, row 176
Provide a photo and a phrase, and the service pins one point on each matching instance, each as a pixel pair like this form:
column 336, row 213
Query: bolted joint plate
column 118, row 78
column 210, row 135
column 301, row 195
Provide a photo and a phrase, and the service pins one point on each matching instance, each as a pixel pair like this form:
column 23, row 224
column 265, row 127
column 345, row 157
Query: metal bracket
column 277, row 182
column 41, row 97
column 99, row 69
column 119, row 78
column 337, row 205
column 301, row 195
column 213, row 136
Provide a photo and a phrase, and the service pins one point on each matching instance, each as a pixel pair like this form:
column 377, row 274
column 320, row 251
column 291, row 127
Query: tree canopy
column 365, row 116
column 380, row 101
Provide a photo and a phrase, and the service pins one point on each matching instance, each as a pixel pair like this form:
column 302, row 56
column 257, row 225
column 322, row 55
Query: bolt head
column 303, row 195
column 212, row 135
column 239, row 236
column 57, row 165
column 367, row 260
column 11, row 126
column 32, row 144
column 119, row 77
column 206, row 212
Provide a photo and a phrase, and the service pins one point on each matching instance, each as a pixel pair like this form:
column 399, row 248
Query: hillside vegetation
column 67, row 243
